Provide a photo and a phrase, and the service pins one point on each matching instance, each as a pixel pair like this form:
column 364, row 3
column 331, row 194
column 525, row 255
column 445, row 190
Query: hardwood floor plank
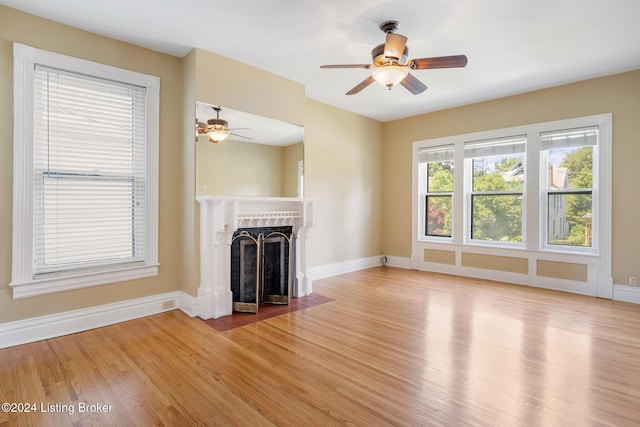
column 394, row 348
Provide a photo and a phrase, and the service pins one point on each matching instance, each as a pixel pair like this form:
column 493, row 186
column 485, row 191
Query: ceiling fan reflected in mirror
column 217, row 129
column 391, row 66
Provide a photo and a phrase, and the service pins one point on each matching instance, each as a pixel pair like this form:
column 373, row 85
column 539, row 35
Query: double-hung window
column 85, row 181
column 496, row 181
column 568, row 181
column 436, row 171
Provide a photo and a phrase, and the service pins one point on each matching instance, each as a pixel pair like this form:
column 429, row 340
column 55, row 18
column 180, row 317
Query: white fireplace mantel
column 220, row 217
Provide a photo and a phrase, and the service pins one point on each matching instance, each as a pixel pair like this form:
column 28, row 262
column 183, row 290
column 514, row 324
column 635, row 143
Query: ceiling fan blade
column 241, row 136
column 394, row 46
column 366, row 82
column 453, row 61
column 413, row 85
column 347, row 66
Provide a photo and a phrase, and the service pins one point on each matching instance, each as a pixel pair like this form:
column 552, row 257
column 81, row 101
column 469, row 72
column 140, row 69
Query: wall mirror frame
column 261, row 156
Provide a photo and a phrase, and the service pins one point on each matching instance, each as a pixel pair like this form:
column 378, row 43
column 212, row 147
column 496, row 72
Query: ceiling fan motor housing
column 379, row 60
column 218, row 123
column 389, row 26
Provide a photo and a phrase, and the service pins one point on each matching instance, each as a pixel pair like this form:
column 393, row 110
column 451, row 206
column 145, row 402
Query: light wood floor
column 396, row 347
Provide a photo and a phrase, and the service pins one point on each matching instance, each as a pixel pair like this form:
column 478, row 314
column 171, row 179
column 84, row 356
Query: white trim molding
column 399, row 262
column 343, row 267
column 626, row 293
column 69, row 322
column 595, row 260
column 24, row 283
column 220, row 217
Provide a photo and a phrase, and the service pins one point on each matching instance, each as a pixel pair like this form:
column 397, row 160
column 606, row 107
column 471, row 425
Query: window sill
column 505, row 248
column 50, row 285
column 577, row 252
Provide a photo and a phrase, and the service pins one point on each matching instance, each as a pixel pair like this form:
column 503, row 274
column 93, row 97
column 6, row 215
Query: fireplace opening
column 262, row 270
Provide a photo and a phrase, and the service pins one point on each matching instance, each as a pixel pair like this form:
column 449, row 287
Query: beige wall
column 562, row 270
column 217, row 80
column 189, row 256
column 292, row 154
column 619, row 94
column 43, row 34
column 495, row 262
column 343, row 160
column 232, row 84
column 235, row 168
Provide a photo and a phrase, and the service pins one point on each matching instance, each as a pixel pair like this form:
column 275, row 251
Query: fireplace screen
column 261, row 267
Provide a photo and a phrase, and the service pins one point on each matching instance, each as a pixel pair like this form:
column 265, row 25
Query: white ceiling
column 513, row 46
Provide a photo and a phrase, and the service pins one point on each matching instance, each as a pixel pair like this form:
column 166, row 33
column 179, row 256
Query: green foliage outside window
column 497, row 217
column 440, row 180
column 579, row 166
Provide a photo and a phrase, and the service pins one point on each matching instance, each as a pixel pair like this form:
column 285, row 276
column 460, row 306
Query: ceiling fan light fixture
column 217, row 135
column 390, row 75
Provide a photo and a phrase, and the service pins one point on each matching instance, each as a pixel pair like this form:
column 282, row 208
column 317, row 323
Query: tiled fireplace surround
column 220, row 217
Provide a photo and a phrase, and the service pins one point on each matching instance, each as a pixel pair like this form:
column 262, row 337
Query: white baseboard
column 626, row 294
column 399, row 262
column 69, row 322
column 188, row 304
column 342, row 267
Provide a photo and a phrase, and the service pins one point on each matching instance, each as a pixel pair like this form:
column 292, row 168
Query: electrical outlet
column 168, row 304
column 633, row 281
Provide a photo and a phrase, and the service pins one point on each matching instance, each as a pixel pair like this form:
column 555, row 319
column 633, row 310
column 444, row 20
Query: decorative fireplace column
column 220, row 217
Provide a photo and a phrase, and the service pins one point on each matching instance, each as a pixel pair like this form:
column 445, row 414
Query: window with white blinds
column 89, row 171
column 86, row 171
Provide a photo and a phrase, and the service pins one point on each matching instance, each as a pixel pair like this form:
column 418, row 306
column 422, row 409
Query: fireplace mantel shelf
column 220, row 217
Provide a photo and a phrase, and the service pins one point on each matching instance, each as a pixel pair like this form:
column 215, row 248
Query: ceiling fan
column 217, row 129
column 391, row 66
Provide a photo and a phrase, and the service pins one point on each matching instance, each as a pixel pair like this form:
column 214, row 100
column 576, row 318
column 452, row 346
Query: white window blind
column 436, row 154
column 569, row 138
column 89, row 172
column 495, row 147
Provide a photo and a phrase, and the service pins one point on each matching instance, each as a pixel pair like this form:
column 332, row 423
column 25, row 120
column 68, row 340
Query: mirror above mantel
column 261, row 156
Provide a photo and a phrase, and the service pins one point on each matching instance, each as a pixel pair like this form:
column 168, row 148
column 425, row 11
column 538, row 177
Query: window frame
column 596, row 183
column 533, row 210
column 425, row 194
column 470, row 193
column 24, row 283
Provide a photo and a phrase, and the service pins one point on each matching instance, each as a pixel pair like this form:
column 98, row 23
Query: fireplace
column 261, row 267
column 281, row 224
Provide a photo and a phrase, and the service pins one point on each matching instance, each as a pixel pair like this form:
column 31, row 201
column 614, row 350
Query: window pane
column 89, row 165
column 570, row 167
column 440, row 177
column 85, row 221
column 498, row 173
column 438, row 216
column 569, row 219
column 496, row 218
